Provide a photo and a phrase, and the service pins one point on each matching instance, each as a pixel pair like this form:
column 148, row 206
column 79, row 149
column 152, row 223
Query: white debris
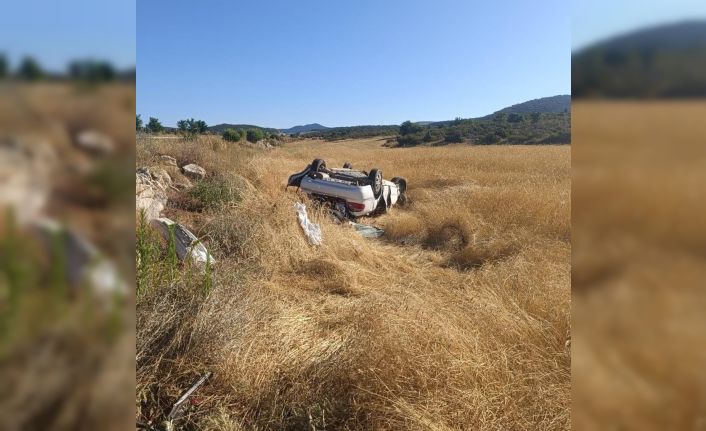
column 84, row 263
column 185, row 242
column 312, row 230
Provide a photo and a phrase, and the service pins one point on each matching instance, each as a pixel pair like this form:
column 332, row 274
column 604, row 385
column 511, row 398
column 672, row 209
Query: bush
column 254, row 135
column 232, row 135
column 408, row 128
column 454, row 136
column 212, row 193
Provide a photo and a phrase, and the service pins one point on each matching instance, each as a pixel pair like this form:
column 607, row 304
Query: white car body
column 349, row 186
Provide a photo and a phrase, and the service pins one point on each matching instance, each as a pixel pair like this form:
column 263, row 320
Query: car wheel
column 318, row 165
column 375, row 180
column 347, row 165
column 401, row 184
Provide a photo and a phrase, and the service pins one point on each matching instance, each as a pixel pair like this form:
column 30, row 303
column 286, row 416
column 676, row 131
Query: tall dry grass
column 457, row 318
column 638, row 265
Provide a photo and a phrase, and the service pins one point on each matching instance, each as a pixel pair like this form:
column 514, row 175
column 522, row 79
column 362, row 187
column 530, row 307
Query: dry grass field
column 65, row 362
column 638, row 265
column 457, row 318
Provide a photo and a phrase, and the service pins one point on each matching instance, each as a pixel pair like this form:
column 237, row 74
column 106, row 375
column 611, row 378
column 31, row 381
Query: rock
column 95, row 143
column 26, row 166
column 168, row 160
column 150, row 195
column 186, row 243
column 194, row 171
column 160, row 175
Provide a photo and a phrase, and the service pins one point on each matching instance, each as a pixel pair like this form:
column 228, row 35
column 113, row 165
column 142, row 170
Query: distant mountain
column 304, row 129
column 553, row 104
column 663, row 61
column 218, row 129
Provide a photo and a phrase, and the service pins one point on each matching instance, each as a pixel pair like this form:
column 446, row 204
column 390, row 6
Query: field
column 638, row 265
column 457, row 318
column 65, row 362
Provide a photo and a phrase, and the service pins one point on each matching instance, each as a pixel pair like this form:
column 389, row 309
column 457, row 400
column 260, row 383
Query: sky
column 594, row 20
column 341, row 63
column 58, row 31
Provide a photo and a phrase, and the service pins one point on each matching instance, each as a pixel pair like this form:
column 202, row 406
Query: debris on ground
column 95, row 143
column 368, row 231
column 312, row 230
column 185, row 242
column 84, row 264
column 194, row 171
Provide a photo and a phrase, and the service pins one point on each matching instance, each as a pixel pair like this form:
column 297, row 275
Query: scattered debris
column 185, row 242
column 150, row 195
column 194, row 171
column 168, row 160
column 95, row 143
column 312, row 230
column 367, row 230
column 176, row 408
column 84, row 264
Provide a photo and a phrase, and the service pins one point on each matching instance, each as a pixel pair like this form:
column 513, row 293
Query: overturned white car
column 351, row 192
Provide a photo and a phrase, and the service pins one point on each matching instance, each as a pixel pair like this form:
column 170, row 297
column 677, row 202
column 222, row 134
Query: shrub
column 232, row 135
column 254, row 135
column 212, row 193
column 454, row 136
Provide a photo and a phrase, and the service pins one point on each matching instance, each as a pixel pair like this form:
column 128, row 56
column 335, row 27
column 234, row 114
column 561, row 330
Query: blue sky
column 593, row 20
column 281, row 63
column 57, row 31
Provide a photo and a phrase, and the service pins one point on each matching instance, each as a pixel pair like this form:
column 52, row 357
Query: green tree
column 536, row 116
column 515, row 118
column 138, row 122
column 4, row 66
column 92, row 70
column 30, row 70
column 191, row 128
column 232, row 135
column 154, row 126
column 454, row 135
column 254, row 135
column 408, row 128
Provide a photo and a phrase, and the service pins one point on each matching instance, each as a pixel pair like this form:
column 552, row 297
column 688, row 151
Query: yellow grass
column 458, row 318
column 638, row 267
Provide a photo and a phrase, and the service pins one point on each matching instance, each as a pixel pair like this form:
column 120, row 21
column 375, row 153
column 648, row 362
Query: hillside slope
column 664, row 61
column 304, row 129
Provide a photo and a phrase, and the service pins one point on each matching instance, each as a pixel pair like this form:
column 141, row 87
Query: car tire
column 401, row 184
column 318, row 165
column 375, row 181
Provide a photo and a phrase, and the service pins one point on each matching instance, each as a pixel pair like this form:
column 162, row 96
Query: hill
column 218, row 129
column 657, row 62
column 304, row 129
column 561, row 103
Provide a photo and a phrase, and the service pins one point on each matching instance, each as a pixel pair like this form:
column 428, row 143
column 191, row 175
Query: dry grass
column 457, row 318
column 66, row 361
column 638, row 265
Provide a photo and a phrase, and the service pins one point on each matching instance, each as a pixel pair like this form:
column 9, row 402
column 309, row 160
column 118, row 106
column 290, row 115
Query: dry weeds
column 458, row 318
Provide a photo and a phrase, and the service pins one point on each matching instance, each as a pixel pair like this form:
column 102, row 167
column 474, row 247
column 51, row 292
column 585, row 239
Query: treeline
column 501, row 128
column 89, row 70
column 354, row 132
column 191, row 128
